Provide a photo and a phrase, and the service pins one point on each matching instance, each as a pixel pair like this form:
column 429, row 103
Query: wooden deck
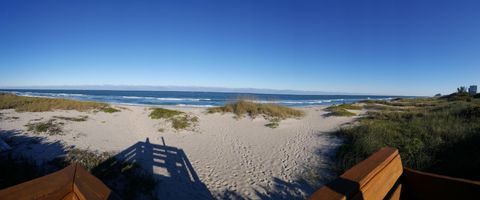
column 73, row 182
column 382, row 176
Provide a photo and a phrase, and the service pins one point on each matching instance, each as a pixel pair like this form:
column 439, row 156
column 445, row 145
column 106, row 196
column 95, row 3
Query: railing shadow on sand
column 169, row 166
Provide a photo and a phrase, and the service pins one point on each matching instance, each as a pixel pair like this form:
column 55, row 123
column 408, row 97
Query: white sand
column 232, row 158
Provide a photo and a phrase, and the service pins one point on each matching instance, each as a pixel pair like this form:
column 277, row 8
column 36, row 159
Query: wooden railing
column 382, row 176
column 72, row 182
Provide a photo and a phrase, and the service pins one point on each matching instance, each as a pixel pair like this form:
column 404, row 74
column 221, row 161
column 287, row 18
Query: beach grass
column 347, row 106
column 274, row 123
column 110, row 110
column 39, row 104
column 162, row 113
column 178, row 119
column 268, row 110
column 342, row 110
column 50, row 127
column 73, row 119
column 272, row 112
column 439, row 135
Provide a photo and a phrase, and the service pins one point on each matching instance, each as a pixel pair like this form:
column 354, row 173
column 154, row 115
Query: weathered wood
column 53, row 186
column 70, row 183
column 422, row 185
column 370, row 179
column 70, row 196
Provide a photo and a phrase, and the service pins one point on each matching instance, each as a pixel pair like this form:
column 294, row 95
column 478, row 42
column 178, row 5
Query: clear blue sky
column 409, row 47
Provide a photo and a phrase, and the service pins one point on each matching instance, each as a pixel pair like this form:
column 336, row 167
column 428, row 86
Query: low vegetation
column 109, row 110
column 162, row 113
column 38, row 104
column 439, row 135
column 184, row 122
column 269, row 111
column 342, row 110
column 50, row 127
column 274, row 123
column 347, row 106
column 73, row 119
column 178, row 119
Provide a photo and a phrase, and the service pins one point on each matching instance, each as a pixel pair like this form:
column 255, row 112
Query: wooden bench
column 73, row 182
column 382, row 176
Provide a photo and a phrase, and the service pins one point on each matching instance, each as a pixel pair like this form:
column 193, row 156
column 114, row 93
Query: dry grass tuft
column 179, row 120
column 273, row 112
column 50, row 127
column 73, row 119
column 342, row 110
column 37, row 104
column 252, row 109
column 162, row 113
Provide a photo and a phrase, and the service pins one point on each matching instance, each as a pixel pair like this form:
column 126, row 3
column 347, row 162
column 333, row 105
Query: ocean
column 191, row 99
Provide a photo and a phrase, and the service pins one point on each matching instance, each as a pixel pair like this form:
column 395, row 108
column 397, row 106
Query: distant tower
column 472, row 90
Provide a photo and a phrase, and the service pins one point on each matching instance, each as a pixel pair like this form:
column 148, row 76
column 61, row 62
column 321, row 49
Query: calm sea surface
column 195, row 99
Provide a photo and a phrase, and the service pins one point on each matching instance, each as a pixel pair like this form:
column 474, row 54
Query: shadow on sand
column 175, row 177
column 169, row 166
column 21, row 163
column 172, row 173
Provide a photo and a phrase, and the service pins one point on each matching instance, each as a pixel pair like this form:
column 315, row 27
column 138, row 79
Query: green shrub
column 442, row 137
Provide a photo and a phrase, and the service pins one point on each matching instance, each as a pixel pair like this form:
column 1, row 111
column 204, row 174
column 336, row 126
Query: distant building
column 472, row 90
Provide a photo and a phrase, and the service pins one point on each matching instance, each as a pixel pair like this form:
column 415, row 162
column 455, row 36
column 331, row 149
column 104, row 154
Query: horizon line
column 173, row 88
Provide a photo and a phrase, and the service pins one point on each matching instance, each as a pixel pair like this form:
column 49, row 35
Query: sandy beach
column 220, row 157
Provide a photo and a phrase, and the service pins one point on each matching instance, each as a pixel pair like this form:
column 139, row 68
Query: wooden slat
column 70, row 196
column 365, row 170
column 86, row 186
column 383, row 181
column 52, row 186
column 370, row 179
column 395, row 193
column 422, row 185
